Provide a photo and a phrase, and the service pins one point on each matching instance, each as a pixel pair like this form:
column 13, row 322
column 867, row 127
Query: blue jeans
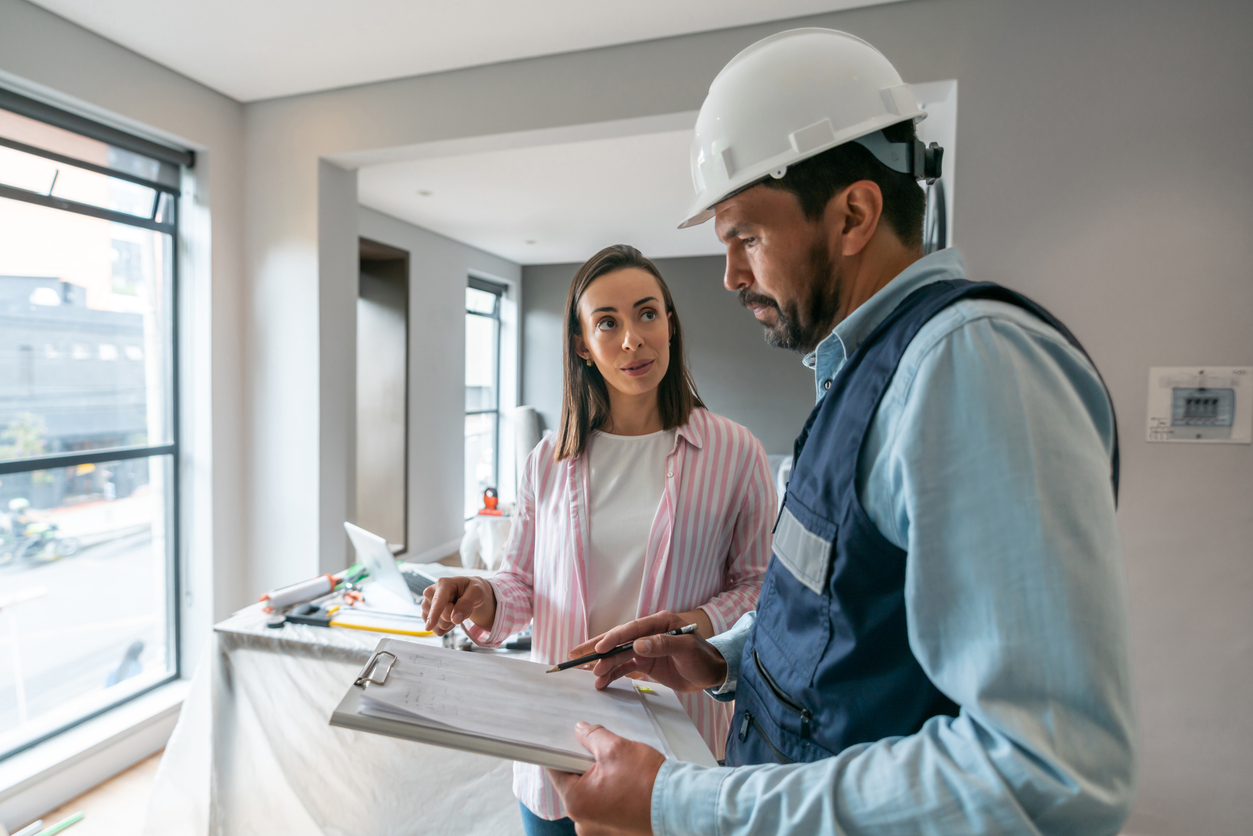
column 535, row 826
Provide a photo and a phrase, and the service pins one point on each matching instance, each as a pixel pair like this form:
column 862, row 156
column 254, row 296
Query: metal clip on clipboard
column 370, row 665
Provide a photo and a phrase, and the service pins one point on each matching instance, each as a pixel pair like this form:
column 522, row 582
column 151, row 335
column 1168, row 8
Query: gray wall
column 738, row 375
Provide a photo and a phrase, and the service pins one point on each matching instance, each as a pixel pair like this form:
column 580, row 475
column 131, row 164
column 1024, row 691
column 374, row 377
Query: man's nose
column 739, row 274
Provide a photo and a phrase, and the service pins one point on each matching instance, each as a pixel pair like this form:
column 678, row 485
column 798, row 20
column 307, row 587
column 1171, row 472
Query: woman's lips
column 638, row 369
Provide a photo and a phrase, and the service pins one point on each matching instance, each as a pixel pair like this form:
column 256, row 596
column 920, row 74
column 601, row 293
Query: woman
column 644, row 501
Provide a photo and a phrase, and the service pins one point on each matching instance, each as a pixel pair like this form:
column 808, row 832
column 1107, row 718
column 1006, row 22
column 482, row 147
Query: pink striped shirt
column 708, row 548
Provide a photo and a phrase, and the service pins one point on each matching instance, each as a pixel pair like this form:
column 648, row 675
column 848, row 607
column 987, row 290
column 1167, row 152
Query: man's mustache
column 756, row 300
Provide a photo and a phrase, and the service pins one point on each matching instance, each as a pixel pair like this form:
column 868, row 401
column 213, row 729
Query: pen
column 622, row 648
column 59, row 826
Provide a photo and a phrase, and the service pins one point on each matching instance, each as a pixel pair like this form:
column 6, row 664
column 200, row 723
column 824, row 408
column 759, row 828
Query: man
column 941, row 642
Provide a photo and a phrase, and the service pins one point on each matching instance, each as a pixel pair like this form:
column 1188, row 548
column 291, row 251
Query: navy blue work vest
column 828, row 664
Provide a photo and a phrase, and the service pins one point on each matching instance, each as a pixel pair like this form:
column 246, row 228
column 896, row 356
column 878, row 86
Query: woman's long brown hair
column 585, row 397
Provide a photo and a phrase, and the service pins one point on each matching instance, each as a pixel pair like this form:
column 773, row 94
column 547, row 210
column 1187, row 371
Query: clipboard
column 386, row 669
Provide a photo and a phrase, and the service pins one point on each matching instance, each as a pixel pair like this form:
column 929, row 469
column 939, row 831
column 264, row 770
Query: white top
column 626, row 479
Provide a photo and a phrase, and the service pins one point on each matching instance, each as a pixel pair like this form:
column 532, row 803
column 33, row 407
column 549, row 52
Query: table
column 253, row 752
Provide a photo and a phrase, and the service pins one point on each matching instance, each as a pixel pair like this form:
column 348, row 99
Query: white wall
column 1101, row 174
column 438, row 268
column 47, row 56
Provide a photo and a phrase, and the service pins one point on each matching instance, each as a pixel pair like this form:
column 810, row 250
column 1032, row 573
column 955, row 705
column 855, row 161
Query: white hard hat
column 791, row 96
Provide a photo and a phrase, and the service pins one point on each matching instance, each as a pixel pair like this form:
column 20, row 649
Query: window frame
column 498, row 291
column 181, row 161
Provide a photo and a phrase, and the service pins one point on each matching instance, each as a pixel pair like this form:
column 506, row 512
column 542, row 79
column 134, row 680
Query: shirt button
column 670, row 475
column 826, row 384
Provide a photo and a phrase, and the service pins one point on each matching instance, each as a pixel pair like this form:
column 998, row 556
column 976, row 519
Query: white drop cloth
column 253, row 752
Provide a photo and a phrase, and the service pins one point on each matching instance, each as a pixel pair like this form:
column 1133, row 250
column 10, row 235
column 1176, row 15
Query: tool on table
column 59, row 826
column 522, row 641
column 327, row 621
column 490, row 500
column 315, row 588
column 622, row 648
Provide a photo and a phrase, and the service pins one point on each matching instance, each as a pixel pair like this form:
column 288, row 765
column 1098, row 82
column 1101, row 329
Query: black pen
column 622, row 648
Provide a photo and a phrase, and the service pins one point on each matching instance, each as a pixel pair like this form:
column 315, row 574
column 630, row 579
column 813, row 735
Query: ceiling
column 261, row 49
column 551, row 203
column 548, row 197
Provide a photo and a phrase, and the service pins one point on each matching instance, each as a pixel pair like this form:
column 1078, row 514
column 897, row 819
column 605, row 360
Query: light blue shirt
column 988, row 462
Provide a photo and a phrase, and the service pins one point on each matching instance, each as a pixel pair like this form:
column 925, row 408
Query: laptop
column 402, row 584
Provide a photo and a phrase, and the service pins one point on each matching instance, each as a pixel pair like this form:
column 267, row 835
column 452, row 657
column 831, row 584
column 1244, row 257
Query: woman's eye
column 648, row 316
column 605, row 325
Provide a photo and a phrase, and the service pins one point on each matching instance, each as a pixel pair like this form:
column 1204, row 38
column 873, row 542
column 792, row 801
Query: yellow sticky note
column 644, row 689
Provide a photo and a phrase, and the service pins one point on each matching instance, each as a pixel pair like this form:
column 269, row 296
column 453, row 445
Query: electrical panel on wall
column 1210, row 404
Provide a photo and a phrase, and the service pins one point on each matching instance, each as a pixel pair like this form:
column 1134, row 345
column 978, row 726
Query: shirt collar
column 690, row 432
column 828, row 358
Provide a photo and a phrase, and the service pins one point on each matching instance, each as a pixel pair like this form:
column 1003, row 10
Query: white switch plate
column 1201, row 404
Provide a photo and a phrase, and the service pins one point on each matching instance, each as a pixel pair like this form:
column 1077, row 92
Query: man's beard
column 802, row 331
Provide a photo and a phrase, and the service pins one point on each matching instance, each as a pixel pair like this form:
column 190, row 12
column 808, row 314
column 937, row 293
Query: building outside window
column 482, row 452
column 89, row 442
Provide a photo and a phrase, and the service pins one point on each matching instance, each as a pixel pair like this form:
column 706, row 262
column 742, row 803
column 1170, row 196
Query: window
column 89, row 443
column 483, row 302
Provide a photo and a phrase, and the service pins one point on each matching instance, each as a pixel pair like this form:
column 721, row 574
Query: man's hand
column 615, row 796
column 684, row 663
column 450, row 601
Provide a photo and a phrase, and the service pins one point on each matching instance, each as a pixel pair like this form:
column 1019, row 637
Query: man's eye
column 748, row 242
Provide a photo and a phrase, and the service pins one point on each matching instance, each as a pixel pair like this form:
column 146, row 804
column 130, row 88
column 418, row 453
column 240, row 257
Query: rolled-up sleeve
column 514, row 584
column 993, row 472
column 731, row 645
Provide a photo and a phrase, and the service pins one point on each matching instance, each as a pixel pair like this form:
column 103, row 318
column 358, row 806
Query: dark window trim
column 36, row 151
column 104, row 454
column 498, row 290
column 82, row 125
column 87, row 209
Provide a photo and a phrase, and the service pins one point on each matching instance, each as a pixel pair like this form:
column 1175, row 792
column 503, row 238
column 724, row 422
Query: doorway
column 383, row 393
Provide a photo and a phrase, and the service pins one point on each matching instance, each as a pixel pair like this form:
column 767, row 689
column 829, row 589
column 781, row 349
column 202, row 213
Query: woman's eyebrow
column 645, row 299
column 607, row 308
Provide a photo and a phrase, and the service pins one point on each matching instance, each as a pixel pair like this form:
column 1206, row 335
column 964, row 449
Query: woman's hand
column 450, row 601
column 685, row 663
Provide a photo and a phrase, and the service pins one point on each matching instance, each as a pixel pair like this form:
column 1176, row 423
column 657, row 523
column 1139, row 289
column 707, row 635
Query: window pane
column 480, row 301
column 29, row 172
column 85, row 332
column 480, row 459
column 481, row 353
column 85, row 592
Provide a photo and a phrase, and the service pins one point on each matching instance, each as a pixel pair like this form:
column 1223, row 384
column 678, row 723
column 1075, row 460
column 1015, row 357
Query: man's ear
column 859, row 209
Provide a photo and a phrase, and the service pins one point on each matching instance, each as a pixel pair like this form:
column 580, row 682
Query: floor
column 116, row 807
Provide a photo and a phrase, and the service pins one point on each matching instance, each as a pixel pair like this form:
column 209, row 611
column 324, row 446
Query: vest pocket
column 806, row 716
column 751, row 721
